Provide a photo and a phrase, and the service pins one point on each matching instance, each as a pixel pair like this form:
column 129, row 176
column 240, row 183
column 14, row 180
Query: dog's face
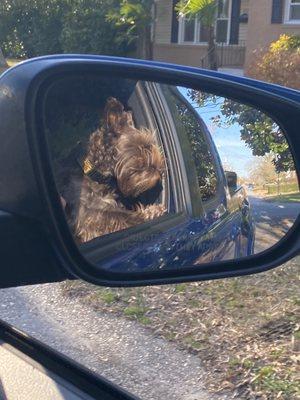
column 139, row 163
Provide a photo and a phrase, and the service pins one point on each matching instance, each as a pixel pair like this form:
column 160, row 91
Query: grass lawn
column 286, row 198
column 244, row 330
column 11, row 62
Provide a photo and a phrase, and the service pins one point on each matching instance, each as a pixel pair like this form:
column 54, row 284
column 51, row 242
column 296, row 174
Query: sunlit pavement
column 273, row 220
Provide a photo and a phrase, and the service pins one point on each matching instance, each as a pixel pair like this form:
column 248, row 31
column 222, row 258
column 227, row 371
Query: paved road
column 121, row 350
column 273, row 220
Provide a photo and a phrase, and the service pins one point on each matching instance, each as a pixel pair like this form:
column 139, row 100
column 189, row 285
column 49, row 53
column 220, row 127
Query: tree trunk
column 212, row 51
column 3, row 62
column 144, row 43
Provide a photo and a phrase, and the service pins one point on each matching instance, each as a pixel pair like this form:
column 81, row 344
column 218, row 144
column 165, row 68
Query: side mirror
column 114, row 169
column 231, row 178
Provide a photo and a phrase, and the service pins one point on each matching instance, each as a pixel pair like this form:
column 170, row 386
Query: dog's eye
column 140, row 162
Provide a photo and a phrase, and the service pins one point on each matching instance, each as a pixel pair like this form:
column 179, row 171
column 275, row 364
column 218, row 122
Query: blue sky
column 233, row 151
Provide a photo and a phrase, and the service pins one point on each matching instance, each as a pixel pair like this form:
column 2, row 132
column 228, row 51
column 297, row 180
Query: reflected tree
column 263, row 171
column 260, row 133
column 193, row 133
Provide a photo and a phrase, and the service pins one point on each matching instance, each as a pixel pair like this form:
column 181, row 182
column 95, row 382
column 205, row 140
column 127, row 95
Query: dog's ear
column 115, row 117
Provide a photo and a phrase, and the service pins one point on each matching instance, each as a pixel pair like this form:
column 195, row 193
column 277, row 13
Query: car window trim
column 149, row 116
column 191, row 202
column 212, row 203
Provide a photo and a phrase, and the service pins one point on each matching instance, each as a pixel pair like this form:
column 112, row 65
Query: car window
column 189, row 124
column 109, row 162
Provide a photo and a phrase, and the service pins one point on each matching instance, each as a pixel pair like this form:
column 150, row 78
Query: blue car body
column 224, row 231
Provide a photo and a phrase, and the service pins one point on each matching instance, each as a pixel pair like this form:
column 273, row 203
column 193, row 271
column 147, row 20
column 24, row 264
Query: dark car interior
column 74, row 110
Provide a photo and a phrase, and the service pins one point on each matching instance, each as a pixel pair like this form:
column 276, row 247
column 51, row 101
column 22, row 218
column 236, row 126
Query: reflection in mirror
column 253, row 147
column 115, row 145
column 108, row 159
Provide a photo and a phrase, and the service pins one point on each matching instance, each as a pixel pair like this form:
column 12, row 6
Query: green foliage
column 260, row 133
column 136, row 311
column 31, row 28
column 285, row 42
column 86, row 29
column 109, row 297
column 190, row 132
column 285, row 188
column 267, row 380
column 131, row 13
column 180, row 288
column 135, row 17
column 205, row 10
column 280, row 64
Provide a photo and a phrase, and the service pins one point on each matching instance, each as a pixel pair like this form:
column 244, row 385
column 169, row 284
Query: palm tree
column 205, row 11
column 2, row 60
column 136, row 16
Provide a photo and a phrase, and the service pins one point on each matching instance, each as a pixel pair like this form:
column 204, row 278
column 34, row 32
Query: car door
column 221, row 210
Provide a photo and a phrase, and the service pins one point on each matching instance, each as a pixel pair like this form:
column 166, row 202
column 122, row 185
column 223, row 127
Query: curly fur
column 133, row 159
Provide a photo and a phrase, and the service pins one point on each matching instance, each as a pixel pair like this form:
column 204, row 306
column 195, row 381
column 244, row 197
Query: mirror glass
column 130, row 158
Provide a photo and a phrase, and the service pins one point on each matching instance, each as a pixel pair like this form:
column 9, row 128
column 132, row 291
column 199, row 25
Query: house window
column 191, row 30
column 222, row 23
column 203, row 34
column 190, row 26
column 292, row 11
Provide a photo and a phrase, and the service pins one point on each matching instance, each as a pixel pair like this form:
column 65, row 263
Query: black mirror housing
column 29, row 197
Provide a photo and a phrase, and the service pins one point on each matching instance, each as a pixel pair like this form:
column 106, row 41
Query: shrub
column 280, row 64
column 30, row 28
column 87, row 30
column 285, row 42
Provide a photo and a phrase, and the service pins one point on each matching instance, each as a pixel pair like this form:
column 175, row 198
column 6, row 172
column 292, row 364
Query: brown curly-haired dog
column 121, row 163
